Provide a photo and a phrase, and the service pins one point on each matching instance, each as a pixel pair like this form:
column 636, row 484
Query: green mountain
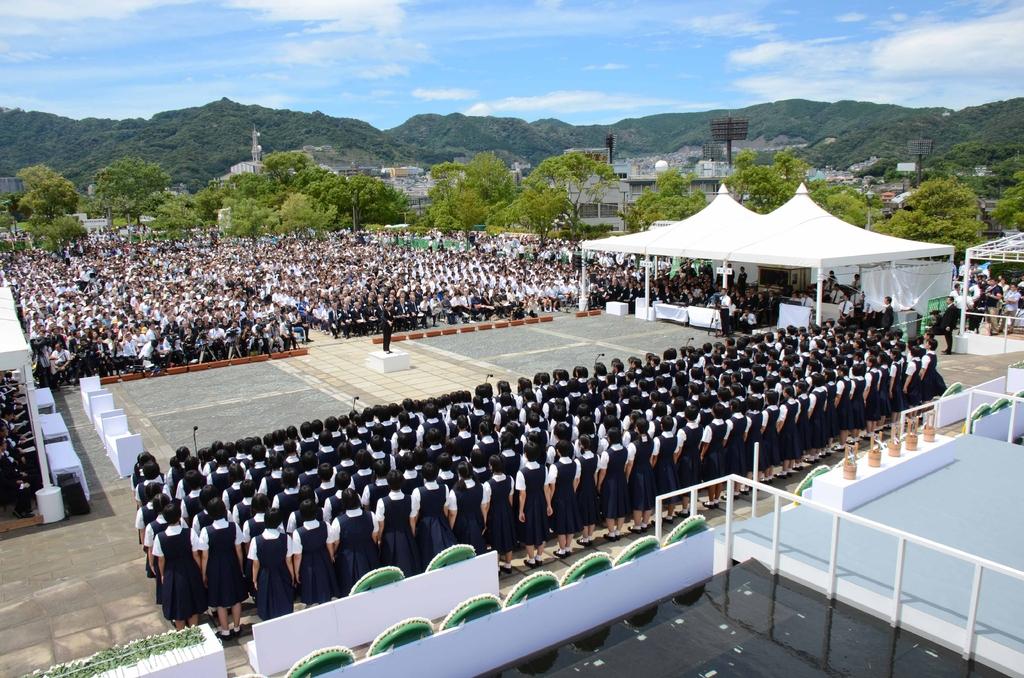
column 197, row 144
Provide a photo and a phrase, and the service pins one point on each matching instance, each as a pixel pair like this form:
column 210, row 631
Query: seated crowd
column 19, row 463
column 106, row 305
column 305, row 512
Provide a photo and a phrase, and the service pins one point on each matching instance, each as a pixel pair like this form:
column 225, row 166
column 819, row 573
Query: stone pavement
column 71, row 589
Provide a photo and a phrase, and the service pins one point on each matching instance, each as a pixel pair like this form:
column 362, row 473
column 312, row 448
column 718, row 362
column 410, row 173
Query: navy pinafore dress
column 586, row 492
column 397, row 545
column 317, row 581
column 665, row 477
column 534, row 531
column 275, row 595
column 566, row 519
column 357, row 553
column 182, row 592
column 500, row 521
column 642, row 490
column 614, row 489
column 223, row 571
column 433, row 533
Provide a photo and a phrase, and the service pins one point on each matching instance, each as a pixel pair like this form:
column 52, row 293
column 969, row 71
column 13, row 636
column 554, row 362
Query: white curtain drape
column 909, row 285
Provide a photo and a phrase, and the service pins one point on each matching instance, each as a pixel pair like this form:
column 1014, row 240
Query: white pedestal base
column 872, row 482
column 616, row 308
column 382, row 362
column 51, row 504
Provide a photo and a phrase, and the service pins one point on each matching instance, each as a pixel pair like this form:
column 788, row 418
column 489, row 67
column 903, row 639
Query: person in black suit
column 386, row 318
column 887, row 314
column 950, row 319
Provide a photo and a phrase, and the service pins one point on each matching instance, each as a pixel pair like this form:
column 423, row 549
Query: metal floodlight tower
column 919, row 148
column 729, row 129
column 609, row 143
column 713, row 151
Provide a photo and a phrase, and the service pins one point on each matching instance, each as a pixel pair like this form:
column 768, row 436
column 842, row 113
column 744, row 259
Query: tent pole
column 725, row 275
column 963, row 292
column 647, row 282
column 584, row 291
column 817, row 305
column 37, row 431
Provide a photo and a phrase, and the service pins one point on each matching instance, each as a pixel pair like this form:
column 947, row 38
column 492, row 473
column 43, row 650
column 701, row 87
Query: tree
column 764, row 188
column 537, row 208
column 208, row 201
column 845, row 202
column 363, row 193
column 130, row 186
column 48, row 195
column 488, row 176
column 175, row 218
column 283, row 166
column 55, row 234
column 299, row 213
column 941, row 211
column 584, row 180
column 250, row 219
column 673, row 200
column 1010, row 209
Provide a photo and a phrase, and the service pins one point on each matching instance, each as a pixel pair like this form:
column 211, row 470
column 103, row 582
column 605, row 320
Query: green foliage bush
column 127, row 655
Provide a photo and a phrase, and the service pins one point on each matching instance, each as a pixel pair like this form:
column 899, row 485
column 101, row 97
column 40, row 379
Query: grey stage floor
column 972, row 505
column 533, row 348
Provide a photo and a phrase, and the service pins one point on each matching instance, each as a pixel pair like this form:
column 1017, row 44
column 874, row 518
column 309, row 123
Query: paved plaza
column 71, row 589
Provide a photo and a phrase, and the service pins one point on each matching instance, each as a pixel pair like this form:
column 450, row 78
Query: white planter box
column 1014, row 379
column 206, row 660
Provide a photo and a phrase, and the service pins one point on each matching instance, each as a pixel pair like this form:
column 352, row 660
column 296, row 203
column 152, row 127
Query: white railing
column 902, row 539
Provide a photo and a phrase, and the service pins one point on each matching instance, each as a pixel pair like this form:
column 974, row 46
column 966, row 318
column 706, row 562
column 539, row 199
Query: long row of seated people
column 307, row 511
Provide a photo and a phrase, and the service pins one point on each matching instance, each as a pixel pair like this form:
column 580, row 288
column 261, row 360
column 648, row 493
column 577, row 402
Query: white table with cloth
column 54, row 429
column 63, row 459
column 44, row 401
column 697, row 316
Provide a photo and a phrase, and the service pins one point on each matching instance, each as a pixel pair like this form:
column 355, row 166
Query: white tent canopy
column 799, row 234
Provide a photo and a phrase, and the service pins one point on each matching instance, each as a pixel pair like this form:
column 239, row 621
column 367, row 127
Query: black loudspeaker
column 73, row 494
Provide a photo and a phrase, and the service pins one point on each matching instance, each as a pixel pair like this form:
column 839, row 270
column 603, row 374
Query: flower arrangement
column 129, row 654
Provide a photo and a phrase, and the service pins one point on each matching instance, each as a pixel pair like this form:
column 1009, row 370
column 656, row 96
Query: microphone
column 598, row 357
column 488, row 378
column 195, row 445
column 354, row 399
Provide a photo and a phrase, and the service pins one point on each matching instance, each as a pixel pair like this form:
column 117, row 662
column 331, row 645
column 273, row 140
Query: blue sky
column 583, row 62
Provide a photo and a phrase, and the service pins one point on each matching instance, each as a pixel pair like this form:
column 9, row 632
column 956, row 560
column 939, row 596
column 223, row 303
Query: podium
column 396, row 361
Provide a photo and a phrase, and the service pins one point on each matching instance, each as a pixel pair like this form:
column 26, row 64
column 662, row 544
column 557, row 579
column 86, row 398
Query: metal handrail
column 902, row 538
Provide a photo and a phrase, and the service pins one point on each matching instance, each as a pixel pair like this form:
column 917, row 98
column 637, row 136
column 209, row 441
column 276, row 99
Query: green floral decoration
column 123, row 656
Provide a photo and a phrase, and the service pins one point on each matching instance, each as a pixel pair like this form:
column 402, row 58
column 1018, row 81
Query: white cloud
column 899, row 17
column 576, row 101
column 379, row 71
column 365, row 49
column 605, row 67
column 444, row 94
column 726, row 25
column 941, row 63
column 851, row 17
column 64, row 11
column 549, row 4
column 347, row 16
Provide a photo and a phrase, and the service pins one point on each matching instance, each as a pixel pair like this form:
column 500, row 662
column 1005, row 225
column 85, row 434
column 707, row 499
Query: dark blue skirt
column 317, row 580
column 182, row 593
column 566, row 518
column 586, row 500
column 665, row 478
column 500, row 526
column 534, row 531
column 224, row 580
column 433, row 535
column 351, row 564
column 614, row 497
column 469, row 530
column 275, row 596
column 642, row 491
column 398, row 548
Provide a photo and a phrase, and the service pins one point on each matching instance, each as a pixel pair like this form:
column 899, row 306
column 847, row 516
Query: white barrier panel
column 85, row 386
column 791, row 314
column 98, row 404
column 1018, row 420
column 124, row 451
column 954, row 408
column 89, row 396
column 994, row 426
column 101, row 428
column 833, row 490
column 504, row 637
column 278, row 643
column 616, row 308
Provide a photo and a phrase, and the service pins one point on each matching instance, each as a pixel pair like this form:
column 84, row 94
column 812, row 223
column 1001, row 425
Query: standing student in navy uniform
column 586, row 491
column 387, row 320
column 613, row 470
column 433, row 533
column 467, row 509
column 644, row 450
column 397, row 540
column 181, row 582
column 500, row 531
column 252, row 528
column 273, row 572
column 354, row 536
column 666, row 480
column 714, row 441
column 534, row 508
column 311, row 559
column 220, row 550
column 154, row 528
column 562, row 481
